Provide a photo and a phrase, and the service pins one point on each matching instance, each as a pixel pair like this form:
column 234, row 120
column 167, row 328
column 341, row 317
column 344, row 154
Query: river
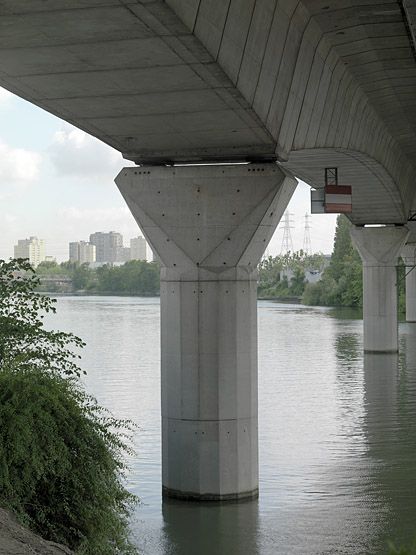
column 337, row 432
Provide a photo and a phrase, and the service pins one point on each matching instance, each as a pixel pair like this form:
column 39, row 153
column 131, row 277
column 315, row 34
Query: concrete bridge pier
column 209, row 225
column 409, row 258
column 379, row 248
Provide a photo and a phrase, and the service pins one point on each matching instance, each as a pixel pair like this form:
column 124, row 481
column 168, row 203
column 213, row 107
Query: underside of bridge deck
column 307, row 84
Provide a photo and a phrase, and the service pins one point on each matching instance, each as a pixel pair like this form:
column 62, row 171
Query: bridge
column 182, row 87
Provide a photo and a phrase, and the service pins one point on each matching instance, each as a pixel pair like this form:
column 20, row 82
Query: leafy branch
column 23, row 338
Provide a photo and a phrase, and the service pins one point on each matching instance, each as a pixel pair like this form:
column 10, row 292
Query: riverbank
column 283, row 300
column 83, row 293
column 17, row 540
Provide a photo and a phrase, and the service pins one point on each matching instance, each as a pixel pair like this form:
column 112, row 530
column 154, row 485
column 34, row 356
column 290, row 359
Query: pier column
column 379, row 248
column 209, row 226
column 409, row 258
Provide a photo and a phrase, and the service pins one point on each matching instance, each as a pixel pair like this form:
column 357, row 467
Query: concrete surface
column 379, row 248
column 312, row 82
column 209, row 226
column 409, row 258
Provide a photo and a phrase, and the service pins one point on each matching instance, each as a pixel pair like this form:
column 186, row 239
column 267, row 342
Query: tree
column 284, row 275
column 61, row 455
column 343, row 248
column 341, row 283
column 81, row 276
column 24, row 342
column 136, row 277
column 62, row 462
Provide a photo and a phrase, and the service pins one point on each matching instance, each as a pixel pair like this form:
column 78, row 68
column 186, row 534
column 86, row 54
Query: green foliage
column 82, row 277
column 23, row 340
column 61, row 463
column 136, row 277
column 343, row 248
column 61, row 454
column 341, row 283
column 269, row 276
column 272, row 279
column 402, row 270
column 298, row 281
column 393, row 550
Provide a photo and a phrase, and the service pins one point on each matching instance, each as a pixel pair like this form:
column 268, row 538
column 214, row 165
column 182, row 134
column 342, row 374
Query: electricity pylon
column 307, row 245
column 287, row 243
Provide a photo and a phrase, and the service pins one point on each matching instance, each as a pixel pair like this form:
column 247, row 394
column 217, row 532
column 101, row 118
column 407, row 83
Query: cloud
column 18, row 168
column 77, row 154
column 94, row 215
column 18, row 164
column 9, row 218
column 89, row 220
column 5, row 96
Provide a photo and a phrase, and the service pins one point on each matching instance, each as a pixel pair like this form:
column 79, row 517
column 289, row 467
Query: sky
column 57, row 183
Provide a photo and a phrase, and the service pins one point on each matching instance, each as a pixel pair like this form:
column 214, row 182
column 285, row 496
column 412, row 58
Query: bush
column 341, row 283
column 393, row 550
column 61, row 454
column 61, row 462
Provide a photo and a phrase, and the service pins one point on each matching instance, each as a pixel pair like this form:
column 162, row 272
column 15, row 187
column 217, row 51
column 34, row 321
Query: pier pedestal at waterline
column 379, row 248
column 209, row 225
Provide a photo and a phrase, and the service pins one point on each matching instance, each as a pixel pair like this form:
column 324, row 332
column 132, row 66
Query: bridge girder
column 203, row 80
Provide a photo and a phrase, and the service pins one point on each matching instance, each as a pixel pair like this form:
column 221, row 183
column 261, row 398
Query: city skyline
column 35, row 249
column 57, row 182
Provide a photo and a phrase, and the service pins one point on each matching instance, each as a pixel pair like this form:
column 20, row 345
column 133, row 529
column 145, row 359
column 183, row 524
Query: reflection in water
column 347, row 347
column 380, row 426
column 390, row 403
column 345, row 313
column 337, row 433
column 208, row 529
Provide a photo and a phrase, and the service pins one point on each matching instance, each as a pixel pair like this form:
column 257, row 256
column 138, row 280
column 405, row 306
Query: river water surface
column 337, row 432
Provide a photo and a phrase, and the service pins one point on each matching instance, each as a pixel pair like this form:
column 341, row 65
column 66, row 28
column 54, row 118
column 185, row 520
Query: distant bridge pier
column 210, row 226
column 379, row 248
column 409, row 258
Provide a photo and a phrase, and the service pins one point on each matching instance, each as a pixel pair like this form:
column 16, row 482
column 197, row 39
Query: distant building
column 312, row 275
column 138, row 248
column 123, row 254
column 74, row 252
column 32, row 248
column 82, row 252
column 50, row 259
column 107, row 245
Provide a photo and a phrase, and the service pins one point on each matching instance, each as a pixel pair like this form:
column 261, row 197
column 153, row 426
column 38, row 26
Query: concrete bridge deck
column 306, row 83
column 311, row 83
